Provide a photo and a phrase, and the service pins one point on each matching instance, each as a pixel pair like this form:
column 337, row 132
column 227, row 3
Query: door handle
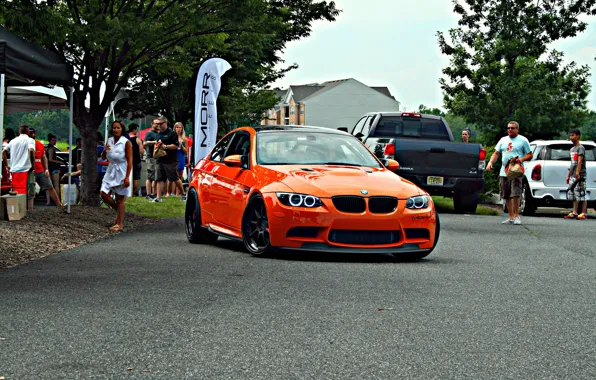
column 437, row 150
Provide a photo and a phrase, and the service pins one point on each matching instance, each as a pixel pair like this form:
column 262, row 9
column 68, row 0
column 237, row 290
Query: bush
column 491, row 179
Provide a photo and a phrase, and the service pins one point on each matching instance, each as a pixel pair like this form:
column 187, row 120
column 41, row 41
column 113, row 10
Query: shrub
column 491, row 179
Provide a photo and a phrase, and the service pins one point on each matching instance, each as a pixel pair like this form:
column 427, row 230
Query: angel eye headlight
column 417, row 203
column 299, row 200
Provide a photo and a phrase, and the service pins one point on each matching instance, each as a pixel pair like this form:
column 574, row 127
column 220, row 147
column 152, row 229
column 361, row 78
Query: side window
column 217, row 154
column 367, row 124
column 358, row 126
column 240, row 145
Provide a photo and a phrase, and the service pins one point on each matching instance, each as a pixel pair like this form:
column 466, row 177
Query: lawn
column 446, row 205
column 169, row 208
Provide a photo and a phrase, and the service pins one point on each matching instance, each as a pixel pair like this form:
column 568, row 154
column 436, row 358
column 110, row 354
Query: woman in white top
column 118, row 152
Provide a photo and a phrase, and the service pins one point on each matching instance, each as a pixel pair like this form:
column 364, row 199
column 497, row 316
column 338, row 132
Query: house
column 331, row 104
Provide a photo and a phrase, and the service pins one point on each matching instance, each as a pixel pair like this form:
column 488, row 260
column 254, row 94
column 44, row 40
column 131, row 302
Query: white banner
column 207, row 90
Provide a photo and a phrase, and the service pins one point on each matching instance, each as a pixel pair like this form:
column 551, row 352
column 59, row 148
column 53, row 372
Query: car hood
column 327, row 181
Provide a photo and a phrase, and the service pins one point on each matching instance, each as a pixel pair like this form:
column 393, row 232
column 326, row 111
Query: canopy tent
column 33, row 98
column 23, row 63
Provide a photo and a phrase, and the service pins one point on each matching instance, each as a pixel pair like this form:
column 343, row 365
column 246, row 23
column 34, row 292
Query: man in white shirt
column 22, row 159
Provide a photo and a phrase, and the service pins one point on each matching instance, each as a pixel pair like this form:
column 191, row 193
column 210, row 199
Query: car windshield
column 312, row 148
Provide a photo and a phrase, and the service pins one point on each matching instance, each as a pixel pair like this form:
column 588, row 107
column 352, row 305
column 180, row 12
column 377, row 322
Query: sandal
column 571, row 216
column 116, row 228
column 582, row 216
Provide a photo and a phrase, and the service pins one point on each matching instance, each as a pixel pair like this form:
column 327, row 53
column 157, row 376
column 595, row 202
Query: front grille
column 303, row 232
column 417, row 233
column 359, row 237
column 351, row 204
column 382, row 205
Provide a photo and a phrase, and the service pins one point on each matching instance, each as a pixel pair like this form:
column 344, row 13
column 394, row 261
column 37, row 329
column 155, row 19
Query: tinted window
column 358, row 126
column 240, row 145
column 295, row 148
column 560, row 152
column 397, row 126
column 217, row 154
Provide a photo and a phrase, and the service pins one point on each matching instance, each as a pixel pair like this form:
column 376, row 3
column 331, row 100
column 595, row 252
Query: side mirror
column 392, row 165
column 359, row 136
column 343, row 129
column 234, row 161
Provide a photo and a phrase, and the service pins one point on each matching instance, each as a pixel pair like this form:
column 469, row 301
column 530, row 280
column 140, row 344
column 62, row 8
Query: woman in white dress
column 118, row 152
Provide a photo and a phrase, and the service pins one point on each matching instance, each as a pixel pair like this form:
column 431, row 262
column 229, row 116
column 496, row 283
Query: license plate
column 434, row 181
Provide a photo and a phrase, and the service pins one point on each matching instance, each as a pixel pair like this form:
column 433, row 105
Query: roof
column 553, row 142
column 384, row 91
column 301, row 128
column 304, row 91
column 326, row 86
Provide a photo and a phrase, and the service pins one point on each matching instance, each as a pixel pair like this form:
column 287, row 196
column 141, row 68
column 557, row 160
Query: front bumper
column 327, row 229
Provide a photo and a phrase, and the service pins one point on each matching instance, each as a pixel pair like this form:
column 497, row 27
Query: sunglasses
column 511, row 127
column 159, row 123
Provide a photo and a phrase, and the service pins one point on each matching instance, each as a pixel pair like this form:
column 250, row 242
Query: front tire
column 255, row 227
column 195, row 232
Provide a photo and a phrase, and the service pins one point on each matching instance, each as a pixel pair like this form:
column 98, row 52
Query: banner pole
column 1, row 117
column 70, row 150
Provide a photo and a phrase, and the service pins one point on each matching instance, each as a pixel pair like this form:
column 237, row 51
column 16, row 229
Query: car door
column 211, row 199
column 233, row 184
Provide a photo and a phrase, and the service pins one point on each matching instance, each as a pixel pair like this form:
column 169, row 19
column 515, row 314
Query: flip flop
column 116, row 228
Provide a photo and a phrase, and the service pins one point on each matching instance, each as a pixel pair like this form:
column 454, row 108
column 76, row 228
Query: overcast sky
column 393, row 43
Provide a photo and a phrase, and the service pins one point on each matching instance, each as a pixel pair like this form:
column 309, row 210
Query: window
column 291, row 110
column 359, row 124
column 398, row 126
column 217, row 154
column 240, row 145
column 302, row 110
column 560, row 152
column 367, row 124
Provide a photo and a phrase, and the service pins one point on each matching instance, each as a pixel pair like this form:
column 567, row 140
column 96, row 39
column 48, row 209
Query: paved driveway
column 493, row 302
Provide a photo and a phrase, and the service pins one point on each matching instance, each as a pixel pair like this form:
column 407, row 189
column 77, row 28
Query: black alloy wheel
column 255, row 227
column 195, row 232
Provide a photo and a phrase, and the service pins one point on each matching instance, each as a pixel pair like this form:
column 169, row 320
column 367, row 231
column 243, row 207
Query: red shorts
column 19, row 182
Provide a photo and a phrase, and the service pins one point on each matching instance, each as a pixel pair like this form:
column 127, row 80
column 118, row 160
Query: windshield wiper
column 341, row 163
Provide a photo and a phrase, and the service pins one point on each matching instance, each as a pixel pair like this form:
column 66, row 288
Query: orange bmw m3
column 309, row 189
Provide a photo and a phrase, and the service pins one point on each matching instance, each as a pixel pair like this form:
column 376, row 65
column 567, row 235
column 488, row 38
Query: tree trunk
column 89, row 193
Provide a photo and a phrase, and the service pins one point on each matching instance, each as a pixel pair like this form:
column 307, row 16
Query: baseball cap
column 31, row 130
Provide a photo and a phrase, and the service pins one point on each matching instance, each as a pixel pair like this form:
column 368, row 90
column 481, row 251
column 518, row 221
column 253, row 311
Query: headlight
column 299, row 200
column 418, row 202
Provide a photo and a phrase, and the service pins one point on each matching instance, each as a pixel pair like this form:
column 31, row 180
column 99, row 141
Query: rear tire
column 527, row 206
column 195, row 232
column 420, row 255
column 465, row 202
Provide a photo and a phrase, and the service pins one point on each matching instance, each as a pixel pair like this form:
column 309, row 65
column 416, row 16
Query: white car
column 546, row 174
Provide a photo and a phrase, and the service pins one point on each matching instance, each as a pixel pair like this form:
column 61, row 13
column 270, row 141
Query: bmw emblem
column 363, row 192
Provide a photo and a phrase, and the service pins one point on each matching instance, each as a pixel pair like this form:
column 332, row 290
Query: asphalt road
column 493, row 302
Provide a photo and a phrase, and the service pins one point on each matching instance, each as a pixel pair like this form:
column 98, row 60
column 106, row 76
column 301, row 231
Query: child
column 577, row 177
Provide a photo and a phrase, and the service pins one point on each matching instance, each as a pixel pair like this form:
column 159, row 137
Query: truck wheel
column 465, row 202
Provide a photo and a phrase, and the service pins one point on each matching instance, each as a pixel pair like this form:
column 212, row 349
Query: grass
column 169, row 208
column 446, row 205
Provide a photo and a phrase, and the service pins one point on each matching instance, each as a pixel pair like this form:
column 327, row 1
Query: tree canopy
column 112, row 43
column 501, row 68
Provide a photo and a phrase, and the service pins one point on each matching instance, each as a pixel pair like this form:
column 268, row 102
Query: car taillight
column 389, row 150
column 481, row 159
column 537, row 173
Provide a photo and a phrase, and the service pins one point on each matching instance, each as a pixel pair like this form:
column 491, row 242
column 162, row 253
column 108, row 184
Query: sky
column 393, row 43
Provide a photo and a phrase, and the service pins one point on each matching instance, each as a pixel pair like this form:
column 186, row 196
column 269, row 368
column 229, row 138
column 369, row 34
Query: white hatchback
column 546, row 174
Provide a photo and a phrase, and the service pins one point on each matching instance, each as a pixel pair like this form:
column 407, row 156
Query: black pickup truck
column 424, row 147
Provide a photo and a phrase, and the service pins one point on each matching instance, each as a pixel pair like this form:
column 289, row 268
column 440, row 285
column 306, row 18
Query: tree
column 111, row 43
column 430, row 111
column 501, row 69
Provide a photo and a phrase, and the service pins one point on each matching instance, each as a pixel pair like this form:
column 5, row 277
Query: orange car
column 307, row 188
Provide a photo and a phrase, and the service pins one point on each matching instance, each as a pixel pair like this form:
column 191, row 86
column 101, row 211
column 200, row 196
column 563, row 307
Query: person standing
column 53, row 162
column 465, row 135
column 149, row 145
column 576, row 178
column 118, row 152
column 41, row 171
column 137, row 148
column 167, row 165
column 511, row 147
column 182, row 152
column 22, row 160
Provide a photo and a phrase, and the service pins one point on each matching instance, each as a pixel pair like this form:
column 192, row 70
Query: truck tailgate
column 437, row 158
